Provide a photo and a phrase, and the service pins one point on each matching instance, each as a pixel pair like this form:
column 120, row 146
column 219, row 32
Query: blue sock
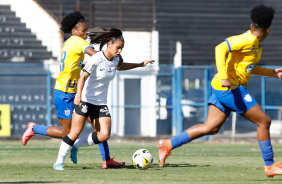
column 180, row 139
column 39, row 129
column 266, row 152
column 104, row 150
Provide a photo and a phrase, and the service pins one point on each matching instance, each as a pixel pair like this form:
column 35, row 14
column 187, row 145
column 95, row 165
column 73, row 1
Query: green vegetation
column 208, row 163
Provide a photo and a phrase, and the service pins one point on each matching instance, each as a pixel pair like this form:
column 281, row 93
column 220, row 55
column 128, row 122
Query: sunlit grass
column 192, row 163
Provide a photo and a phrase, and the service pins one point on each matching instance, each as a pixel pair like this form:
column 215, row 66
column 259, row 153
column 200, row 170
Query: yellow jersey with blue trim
column 72, row 56
column 244, row 53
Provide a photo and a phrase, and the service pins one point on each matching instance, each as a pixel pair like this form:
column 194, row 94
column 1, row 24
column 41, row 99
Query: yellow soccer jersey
column 72, row 56
column 244, row 54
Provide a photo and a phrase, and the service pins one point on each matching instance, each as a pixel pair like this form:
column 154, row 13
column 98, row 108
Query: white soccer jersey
column 102, row 71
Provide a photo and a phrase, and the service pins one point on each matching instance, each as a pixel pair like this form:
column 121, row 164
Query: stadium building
column 162, row 99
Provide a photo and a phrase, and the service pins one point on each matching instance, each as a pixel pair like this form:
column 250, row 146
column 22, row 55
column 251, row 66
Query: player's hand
column 145, row 62
column 77, row 101
column 277, row 72
column 225, row 83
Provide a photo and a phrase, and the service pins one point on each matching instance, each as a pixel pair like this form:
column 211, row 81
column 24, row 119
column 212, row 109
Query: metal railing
column 28, row 88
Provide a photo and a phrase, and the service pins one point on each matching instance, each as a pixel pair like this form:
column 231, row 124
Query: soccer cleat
column 73, row 155
column 112, row 164
column 274, row 169
column 28, row 133
column 58, row 167
column 164, row 151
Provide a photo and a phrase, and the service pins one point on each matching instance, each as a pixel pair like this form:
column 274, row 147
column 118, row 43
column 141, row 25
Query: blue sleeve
column 230, row 50
column 87, row 48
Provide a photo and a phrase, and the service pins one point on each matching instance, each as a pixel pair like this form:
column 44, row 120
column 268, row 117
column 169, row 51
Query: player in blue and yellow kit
column 72, row 56
column 229, row 91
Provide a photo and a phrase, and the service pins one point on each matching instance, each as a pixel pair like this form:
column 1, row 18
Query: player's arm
column 80, row 84
column 90, row 51
column 220, row 59
column 277, row 72
column 128, row 66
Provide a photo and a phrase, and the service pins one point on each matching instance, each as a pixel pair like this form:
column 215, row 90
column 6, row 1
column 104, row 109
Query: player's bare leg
column 214, row 121
column 60, row 132
column 51, row 131
column 103, row 128
column 263, row 121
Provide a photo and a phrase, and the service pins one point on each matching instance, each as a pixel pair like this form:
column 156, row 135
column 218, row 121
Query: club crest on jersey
column 84, row 108
column 248, row 98
column 72, row 85
column 250, row 67
column 67, row 112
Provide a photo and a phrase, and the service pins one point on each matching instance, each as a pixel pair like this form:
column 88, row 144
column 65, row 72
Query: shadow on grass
column 156, row 166
column 80, row 168
column 178, row 165
column 31, row 182
column 96, row 168
column 268, row 179
column 132, row 166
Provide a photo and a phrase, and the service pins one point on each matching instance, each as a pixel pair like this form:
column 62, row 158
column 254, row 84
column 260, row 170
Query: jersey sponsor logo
column 248, row 98
column 250, row 67
column 105, row 110
column 84, row 108
column 67, row 112
column 80, row 64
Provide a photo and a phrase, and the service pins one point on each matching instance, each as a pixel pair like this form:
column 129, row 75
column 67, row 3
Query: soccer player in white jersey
column 92, row 90
column 73, row 52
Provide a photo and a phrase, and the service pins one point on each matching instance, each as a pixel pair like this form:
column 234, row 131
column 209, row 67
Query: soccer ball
column 142, row 159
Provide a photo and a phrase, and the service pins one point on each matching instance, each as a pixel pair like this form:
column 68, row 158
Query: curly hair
column 70, row 21
column 99, row 35
column 262, row 16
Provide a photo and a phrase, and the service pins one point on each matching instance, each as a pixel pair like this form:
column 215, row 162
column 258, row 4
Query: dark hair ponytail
column 102, row 36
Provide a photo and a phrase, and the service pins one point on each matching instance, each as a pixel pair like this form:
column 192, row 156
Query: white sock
column 63, row 152
column 84, row 141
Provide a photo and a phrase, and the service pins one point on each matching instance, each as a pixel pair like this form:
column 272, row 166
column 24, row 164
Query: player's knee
column 64, row 133
column 211, row 130
column 74, row 134
column 214, row 131
column 103, row 136
column 267, row 122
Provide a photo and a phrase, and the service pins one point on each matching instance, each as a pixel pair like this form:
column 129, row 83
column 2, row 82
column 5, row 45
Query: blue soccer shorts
column 64, row 104
column 238, row 100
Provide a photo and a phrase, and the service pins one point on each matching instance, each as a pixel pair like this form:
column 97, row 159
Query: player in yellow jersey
column 72, row 56
column 229, row 91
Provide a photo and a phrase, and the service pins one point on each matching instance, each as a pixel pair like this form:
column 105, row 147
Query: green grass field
column 200, row 162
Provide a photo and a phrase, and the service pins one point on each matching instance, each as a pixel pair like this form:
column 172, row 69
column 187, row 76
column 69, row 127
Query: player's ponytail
column 102, row 36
